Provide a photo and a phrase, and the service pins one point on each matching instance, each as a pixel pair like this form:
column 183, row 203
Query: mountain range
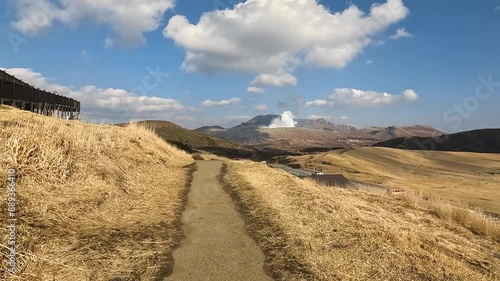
column 310, row 133
column 255, row 140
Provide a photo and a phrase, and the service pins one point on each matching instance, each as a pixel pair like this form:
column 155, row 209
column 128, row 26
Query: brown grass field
column 100, row 202
column 469, row 178
column 94, row 202
column 309, row 232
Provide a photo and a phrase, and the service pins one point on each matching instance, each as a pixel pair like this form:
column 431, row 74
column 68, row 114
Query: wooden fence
column 19, row 94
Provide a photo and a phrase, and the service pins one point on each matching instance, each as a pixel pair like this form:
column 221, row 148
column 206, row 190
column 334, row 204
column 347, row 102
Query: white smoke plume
column 286, row 120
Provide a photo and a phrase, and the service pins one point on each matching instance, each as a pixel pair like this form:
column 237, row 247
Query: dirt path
column 216, row 245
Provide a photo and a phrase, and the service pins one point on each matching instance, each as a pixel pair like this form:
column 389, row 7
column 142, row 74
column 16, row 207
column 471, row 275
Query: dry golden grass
column 95, row 202
column 470, row 178
column 316, row 233
column 474, row 219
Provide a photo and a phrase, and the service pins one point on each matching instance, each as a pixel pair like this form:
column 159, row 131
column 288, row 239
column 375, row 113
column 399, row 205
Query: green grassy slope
column 176, row 134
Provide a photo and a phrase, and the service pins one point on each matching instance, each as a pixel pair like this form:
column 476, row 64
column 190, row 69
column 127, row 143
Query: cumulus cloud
column 370, row 98
column 410, row 95
column 262, row 107
column 270, row 37
column 286, row 120
column 401, row 33
column 314, row 117
column 329, row 118
column 128, row 20
column 256, row 90
column 277, row 80
column 319, row 103
column 210, row 103
column 110, row 105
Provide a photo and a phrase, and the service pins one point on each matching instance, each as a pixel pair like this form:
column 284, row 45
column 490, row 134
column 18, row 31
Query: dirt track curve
column 216, row 245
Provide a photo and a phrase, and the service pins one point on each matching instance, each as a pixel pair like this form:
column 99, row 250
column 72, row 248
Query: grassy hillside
column 188, row 140
column 483, row 141
column 174, row 133
column 94, row 202
column 310, row 232
column 466, row 177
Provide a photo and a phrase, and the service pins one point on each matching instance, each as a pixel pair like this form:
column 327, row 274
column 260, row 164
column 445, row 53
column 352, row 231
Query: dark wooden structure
column 331, row 180
column 16, row 93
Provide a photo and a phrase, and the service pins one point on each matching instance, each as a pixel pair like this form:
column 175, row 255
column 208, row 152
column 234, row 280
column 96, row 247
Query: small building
column 331, row 180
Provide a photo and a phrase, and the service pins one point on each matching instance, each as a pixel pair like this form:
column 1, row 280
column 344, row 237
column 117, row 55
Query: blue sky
column 349, row 67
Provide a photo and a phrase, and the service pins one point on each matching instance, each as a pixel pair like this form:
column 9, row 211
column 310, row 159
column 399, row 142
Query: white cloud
column 314, row 117
column 262, row 36
column 410, row 95
column 262, row 107
column 256, row 90
column 401, row 33
column 319, row 103
column 369, row 62
column 286, row 120
column 232, row 101
column 128, row 20
column 497, row 8
column 276, row 80
column 110, row 105
column 370, row 98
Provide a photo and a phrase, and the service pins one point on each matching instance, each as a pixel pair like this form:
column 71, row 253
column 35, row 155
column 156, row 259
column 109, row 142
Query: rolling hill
column 208, row 129
column 176, row 134
column 461, row 176
column 192, row 141
column 485, row 141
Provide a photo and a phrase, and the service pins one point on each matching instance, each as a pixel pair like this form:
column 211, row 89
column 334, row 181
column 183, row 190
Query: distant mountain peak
column 323, row 124
column 260, row 120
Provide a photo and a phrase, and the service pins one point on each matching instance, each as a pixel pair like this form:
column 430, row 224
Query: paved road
column 216, row 246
